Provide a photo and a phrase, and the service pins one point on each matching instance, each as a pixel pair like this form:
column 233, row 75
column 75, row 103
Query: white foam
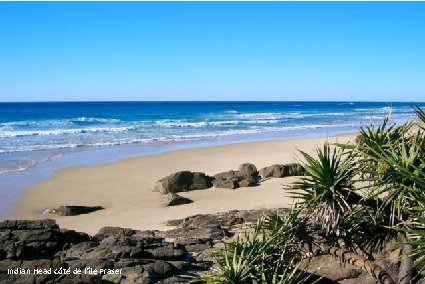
column 29, row 164
column 55, row 122
column 94, row 119
column 179, row 123
column 23, row 133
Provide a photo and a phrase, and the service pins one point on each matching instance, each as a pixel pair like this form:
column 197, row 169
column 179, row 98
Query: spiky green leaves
column 266, row 255
column 327, row 190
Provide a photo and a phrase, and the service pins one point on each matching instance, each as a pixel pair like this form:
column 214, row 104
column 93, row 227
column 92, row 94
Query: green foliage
column 371, row 142
column 367, row 231
column 386, row 164
column 421, row 116
column 327, row 190
column 394, row 160
column 266, row 255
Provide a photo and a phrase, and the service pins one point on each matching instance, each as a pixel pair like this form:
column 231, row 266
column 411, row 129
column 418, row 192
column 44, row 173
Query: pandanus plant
column 266, row 255
column 328, row 196
column 327, row 190
column 391, row 159
column 363, row 194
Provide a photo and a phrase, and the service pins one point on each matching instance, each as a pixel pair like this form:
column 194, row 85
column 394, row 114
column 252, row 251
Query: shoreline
column 124, row 188
column 15, row 183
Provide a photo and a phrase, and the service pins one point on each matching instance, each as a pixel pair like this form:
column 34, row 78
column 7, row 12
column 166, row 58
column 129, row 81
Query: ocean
column 38, row 138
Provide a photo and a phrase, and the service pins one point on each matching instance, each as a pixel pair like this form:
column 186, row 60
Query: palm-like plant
column 421, row 116
column 395, row 164
column 327, row 190
column 391, row 161
column 371, row 141
column 417, row 234
column 267, row 255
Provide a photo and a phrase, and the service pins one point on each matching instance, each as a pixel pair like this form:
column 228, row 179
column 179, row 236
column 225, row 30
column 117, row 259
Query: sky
column 275, row 51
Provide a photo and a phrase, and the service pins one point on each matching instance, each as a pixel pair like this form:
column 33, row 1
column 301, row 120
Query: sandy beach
column 124, row 188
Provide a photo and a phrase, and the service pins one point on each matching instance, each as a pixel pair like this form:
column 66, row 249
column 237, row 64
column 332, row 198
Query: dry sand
column 125, row 188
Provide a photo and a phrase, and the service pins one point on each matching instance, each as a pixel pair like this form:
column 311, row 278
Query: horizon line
column 210, row 101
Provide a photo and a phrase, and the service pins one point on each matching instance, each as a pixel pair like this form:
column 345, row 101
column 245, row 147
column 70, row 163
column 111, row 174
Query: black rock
column 246, row 176
column 72, row 210
column 183, row 181
column 172, row 199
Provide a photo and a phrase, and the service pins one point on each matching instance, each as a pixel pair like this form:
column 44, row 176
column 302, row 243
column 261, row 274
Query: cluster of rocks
column 183, row 181
column 203, row 234
column 115, row 255
column 41, row 252
column 247, row 175
column 119, row 255
column 282, row 170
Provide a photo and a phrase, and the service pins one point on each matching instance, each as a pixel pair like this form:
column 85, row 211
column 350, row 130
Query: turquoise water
column 38, row 138
column 36, row 132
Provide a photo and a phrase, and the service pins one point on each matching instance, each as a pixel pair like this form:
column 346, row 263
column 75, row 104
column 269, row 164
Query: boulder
column 246, row 176
column 282, row 170
column 27, row 240
column 330, row 268
column 248, row 181
column 275, row 171
column 248, row 169
column 200, row 181
column 294, row 169
column 226, row 180
column 183, row 181
column 172, row 199
column 72, row 210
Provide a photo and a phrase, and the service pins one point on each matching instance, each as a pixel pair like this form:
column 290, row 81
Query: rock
column 202, row 234
column 248, row 169
column 294, row 169
column 275, row 171
column 162, row 268
column 183, row 181
column 147, row 256
column 27, row 240
column 108, row 231
column 201, row 181
column 226, row 180
column 28, row 224
column 167, row 252
column 172, row 199
column 284, row 170
column 72, row 210
column 140, row 256
column 330, row 268
column 248, row 181
column 246, row 176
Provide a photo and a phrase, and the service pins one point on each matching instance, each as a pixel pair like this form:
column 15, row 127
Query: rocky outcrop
column 116, row 255
column 72, row 210
column 246, row 176
column 27, row 240
column 172, row 199
column 282, row 170
column 202, row 234
column 183, row 181
column 41, row 252
column 123, row 255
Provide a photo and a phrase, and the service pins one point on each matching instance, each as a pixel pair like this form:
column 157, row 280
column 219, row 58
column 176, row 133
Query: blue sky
column 346, row 51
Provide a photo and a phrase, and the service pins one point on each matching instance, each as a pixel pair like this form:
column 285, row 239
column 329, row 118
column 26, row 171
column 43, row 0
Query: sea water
column 38, row 138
